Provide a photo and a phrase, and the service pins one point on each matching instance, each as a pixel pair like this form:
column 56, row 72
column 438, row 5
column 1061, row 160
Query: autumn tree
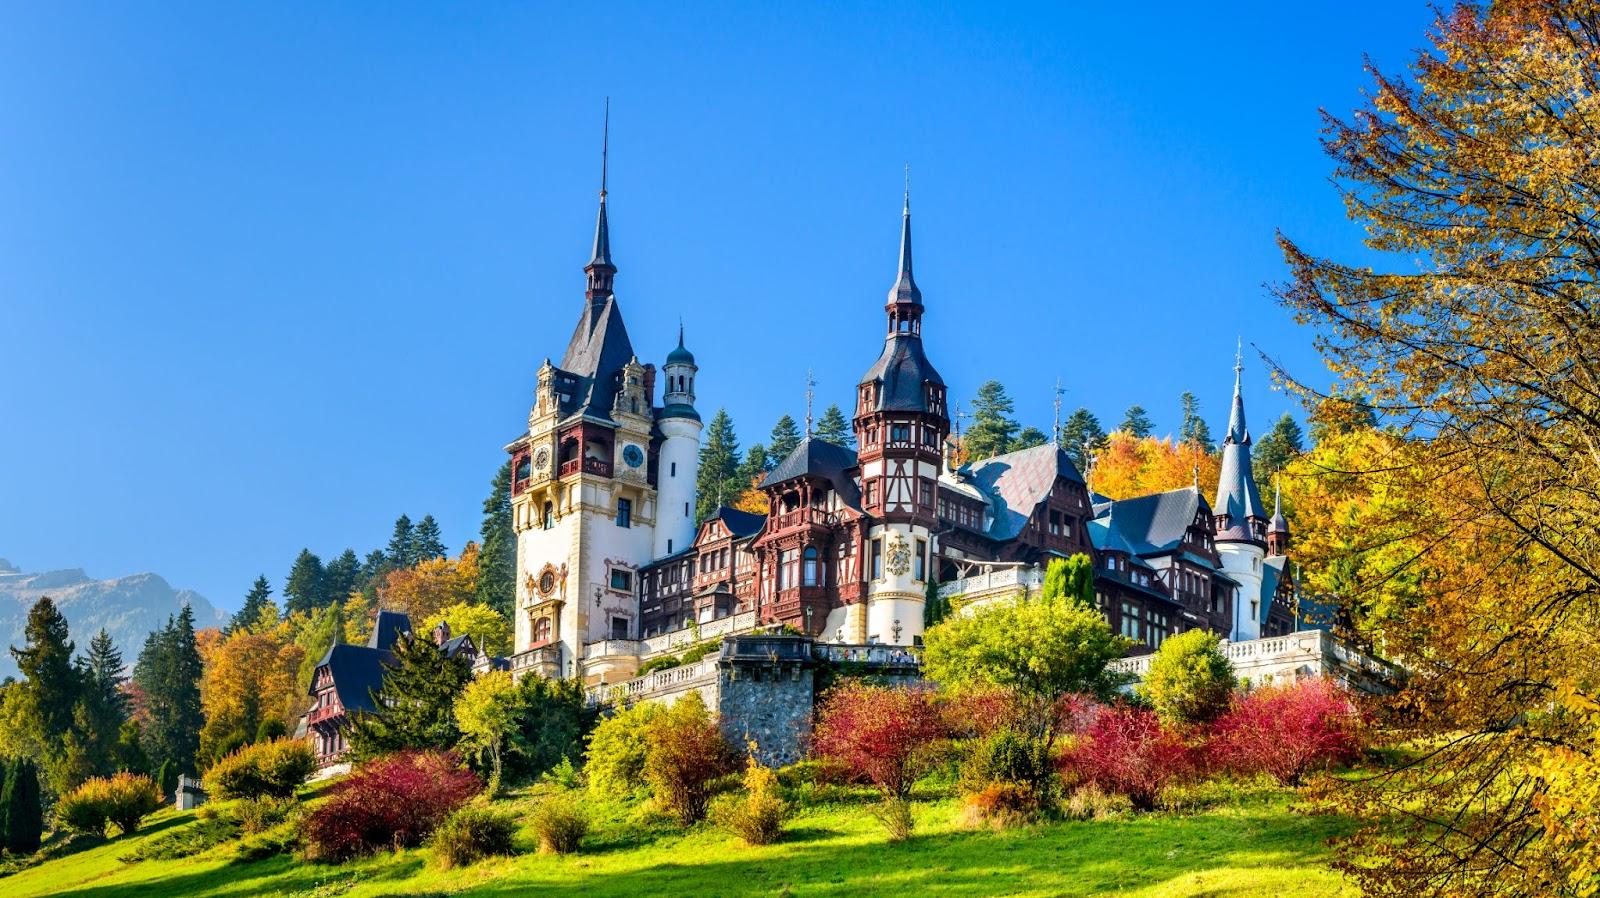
column 1129, row 467
column 1469, row 326
column 429, row 586
column 993, row 427
column 249, row 678
column 490, row 630
column 1136, row 421
column 835, row 428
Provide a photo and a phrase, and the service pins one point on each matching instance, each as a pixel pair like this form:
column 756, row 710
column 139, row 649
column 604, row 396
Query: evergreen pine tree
column 1194, row 429
column 168, row 673
column 1082, row 429
column 22, row 808
column 414, row 707
column 835, row 429
column 718, row 482
column 167, row 779
column 497, row 559
column 1136, row 422
column 992, row 428
column 402, row 543
column 426, row 542
column 341, row 576
column 322, row 631
column 49, row 675
column 373, row 569
column 129, row 753
column 1279, row 447
column 935, row 607
column 785, row 436
column 1028, row 438
column 755, row 465
column 259, row 595
column 304, row 590
column 103, row 707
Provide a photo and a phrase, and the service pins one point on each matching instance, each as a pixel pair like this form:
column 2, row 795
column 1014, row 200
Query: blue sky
column 272, row 275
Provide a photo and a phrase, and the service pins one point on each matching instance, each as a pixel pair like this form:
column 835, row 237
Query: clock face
column 633, row 455
column 547, row 582
column 541, row 459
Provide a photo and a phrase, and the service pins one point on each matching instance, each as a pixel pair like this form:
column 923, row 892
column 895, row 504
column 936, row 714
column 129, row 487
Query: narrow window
column 921, row 560
column 876, row 564
column 624, row 513
column 811, row 566
column 549, row 516
column 674, row 468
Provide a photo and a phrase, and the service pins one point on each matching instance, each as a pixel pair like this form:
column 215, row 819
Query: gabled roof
column 387, row 628
column 1154, row 523
column 739, row 523
column 596, row 355
column 357, row 672
column 1017, row 482
column 453, row 647
column 816, row 457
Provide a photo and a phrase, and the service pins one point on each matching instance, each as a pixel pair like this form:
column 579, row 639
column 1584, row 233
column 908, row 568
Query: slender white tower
column 679, row 461
column 1241, row 520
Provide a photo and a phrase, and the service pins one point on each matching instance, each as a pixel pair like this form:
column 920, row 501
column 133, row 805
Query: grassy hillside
column 1250, row 845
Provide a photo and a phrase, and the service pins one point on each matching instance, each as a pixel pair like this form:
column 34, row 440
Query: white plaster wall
column 897, row 596
column 1242, row 562
column 680, row 449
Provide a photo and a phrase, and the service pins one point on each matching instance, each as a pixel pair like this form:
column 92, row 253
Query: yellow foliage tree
column 429, row 587
column 1131, row 466
column 248, row 678
column 752, row 499
column 488, row 628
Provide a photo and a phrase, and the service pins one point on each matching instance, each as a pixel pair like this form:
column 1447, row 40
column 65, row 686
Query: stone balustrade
column 731, row 625
column 999, row 580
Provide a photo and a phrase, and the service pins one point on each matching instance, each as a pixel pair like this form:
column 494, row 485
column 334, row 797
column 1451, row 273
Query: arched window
column 811, row 566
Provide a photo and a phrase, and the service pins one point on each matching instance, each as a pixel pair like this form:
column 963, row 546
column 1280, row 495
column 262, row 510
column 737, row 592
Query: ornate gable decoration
column 899, row 560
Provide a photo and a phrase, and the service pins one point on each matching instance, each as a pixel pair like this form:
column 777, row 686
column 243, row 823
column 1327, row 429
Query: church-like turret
column 678, row 467
column 901, row 424
column 1241, row 521
column 1278, row 527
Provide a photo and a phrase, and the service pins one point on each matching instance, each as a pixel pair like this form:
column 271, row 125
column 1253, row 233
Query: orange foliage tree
column 1131, row 466
column 430, row 586
column 248, row 679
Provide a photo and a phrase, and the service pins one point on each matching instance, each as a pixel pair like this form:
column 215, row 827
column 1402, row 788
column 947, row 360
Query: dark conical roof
column 602, row 237
column 1280, row 524
column 680, row 356
column 905, row 285
column 596, row 355
column 1237, row 496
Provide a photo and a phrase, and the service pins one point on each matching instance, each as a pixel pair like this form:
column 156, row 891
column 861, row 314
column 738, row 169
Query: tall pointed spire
column 905, row 286
column 1238, row 507
column 600, row 270
column 1237, row 431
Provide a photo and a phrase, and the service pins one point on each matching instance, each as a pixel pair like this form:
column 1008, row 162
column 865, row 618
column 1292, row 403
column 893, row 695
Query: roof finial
column 1238, row 363
column 811, row 384
column 605, row 149
column 907, row 210
column 600, row 268
column 1056, row 433
column 680, row 331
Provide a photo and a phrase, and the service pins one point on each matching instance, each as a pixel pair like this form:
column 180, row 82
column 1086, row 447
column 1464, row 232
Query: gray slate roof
column 1236, row 485
column 596, row 355
column 739, row 523
column 1154, row 523
column 1017, row 482
column 816, row 457
column 357, row 672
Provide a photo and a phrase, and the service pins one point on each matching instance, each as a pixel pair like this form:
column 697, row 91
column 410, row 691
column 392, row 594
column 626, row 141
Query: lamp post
column 808, row 611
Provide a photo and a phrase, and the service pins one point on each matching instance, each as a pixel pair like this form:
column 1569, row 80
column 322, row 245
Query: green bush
column 184, row 842
column 560, row 824
column 1090, row 802
column 695, row 653
column 471, row 834
column 21, row 814
column 758, row 816
column 685, row 754
column 267, row 769
column 616, row 756
column 895, row 815
column 665, row 662
column 257, row 815
column 122, row 800
column 1007, row 756
column 1190, row 681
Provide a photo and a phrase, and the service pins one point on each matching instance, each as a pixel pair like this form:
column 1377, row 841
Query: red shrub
column 391, row 802
column 883, row 732
column 1075, row 713
column 975, row 713
column 1125, row 751
column 1287, row 731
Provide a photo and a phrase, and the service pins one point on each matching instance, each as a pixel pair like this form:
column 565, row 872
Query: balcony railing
column 684, row 676
column 802, row 516
column 325, row 712
column 722, row 626
column 599, row 467
column 546, row 659
column 1010, row 579
column 611, row 648
column 876, row 655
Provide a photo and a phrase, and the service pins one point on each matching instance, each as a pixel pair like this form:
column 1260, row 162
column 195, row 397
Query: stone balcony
column 544, row 661
column 664, row 643
column 1278, row 659
column 997, row 582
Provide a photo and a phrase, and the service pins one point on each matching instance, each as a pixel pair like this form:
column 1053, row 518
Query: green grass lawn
column 1252, row 845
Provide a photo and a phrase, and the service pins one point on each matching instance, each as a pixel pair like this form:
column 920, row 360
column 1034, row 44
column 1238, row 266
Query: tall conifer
column 497, row 557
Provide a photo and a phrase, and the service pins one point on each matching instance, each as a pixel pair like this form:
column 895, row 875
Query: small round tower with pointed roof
column 679, row 460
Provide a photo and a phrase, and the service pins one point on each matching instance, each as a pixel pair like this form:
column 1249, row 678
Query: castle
column 613, row 568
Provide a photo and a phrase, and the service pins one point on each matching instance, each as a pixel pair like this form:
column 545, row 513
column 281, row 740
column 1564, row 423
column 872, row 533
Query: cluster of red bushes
column 1284, row 732
column 889, row 736
column 395, row 801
